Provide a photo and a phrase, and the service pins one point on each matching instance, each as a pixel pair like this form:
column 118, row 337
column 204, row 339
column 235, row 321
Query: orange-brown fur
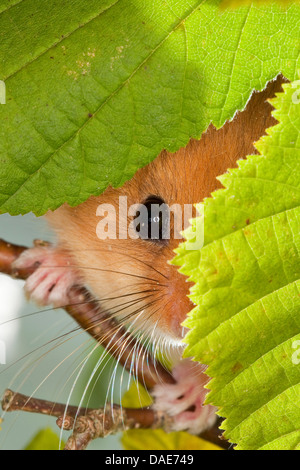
column 129, row 270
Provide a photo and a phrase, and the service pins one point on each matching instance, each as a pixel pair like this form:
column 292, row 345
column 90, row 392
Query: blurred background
column 47, row 356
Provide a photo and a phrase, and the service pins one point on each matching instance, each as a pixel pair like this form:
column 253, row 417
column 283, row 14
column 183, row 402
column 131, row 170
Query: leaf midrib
column 66, row 36
column 280, row 437
column 234, row 59
column 9, row 7
column 108, row 98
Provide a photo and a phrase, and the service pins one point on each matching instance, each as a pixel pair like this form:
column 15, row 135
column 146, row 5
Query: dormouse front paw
column 184, row 399
column 52, row 278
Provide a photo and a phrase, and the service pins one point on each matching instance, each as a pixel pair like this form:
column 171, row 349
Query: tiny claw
column 184, row 400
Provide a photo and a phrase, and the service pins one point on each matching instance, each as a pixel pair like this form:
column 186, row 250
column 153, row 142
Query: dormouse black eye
column 152, row 220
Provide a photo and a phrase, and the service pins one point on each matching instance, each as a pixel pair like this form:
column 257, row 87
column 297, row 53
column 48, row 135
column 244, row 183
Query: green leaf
column 45, row 439
column 95, row 90
column 156, row 439
column 246, row 324
column 238, row 3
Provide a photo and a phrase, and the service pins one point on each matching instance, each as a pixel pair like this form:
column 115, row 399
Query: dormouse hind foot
column 184, row 399
column 52, row 278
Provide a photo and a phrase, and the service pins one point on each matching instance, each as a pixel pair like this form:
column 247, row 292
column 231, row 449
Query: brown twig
column 8, row 254
column 13, row 401
column 88, row 424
